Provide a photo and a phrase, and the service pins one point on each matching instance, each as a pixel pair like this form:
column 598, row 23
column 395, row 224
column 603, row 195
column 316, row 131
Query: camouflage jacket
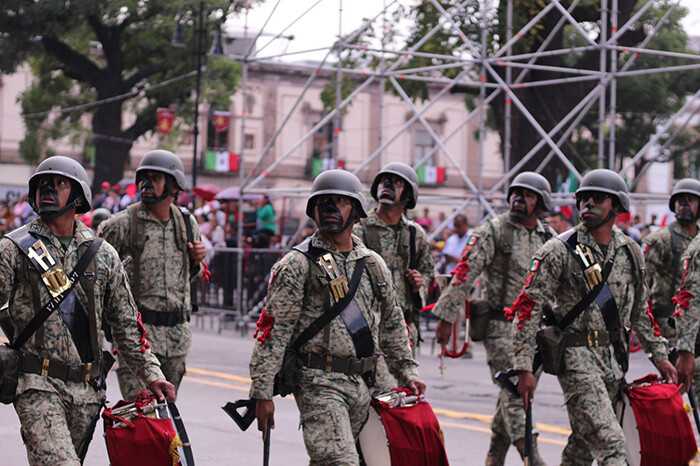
column 485, row 253
column 688, row 299
column 662, row 271
column 165, row 272
column 295, row 299
column 113, row 302
column 555, row 278
column 394, row 247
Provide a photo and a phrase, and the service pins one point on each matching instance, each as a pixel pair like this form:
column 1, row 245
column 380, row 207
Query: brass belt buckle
column 593, row 339
column 45, row 367
column 329, row 362
column 88, row 370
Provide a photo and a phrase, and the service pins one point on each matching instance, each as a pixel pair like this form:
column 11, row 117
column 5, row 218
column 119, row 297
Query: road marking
column 217, row 384
column 483, row 418
column 488, row 431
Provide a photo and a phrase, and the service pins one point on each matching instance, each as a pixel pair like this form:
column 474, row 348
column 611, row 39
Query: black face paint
column 387, row 191
column 684, row 212
column 329, row 216
column 49, row 203
column 593, row 216
column 518, row 204
column 146, row 187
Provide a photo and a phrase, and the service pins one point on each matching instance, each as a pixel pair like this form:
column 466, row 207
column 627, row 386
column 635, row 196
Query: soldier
column 501, row 249
column 337, row 364
column 594, row 255
column 663, row 250
column 164, row 243
column 61, row 383
column 401, row 242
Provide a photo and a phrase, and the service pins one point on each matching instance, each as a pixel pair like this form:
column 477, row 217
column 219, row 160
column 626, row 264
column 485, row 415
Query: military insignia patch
column 472, row 240
column 531, row 273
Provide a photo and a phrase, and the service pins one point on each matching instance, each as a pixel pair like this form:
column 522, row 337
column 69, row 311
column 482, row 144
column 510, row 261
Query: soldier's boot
column 497, row 450
column 536, row 459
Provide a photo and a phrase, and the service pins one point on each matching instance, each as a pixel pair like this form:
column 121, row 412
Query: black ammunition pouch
column 479, row 316
column 287, row 379
column 551, row 344
column 9, row 373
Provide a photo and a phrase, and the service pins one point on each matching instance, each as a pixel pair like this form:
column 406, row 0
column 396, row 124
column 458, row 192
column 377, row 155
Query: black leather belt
column 162, row 319
column 328, row 363
column 56, row 369
column 590, row 339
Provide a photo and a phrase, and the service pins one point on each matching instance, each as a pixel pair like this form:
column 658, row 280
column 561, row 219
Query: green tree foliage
column 116, row 54
column 643, row 101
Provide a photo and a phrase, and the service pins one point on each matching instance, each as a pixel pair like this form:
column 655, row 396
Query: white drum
column 374, row 443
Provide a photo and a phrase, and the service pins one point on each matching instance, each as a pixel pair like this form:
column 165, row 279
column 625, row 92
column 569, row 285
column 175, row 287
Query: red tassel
column 460, row 272
column 206, row 273
column 650, row 313
column 144, row 342
column 522, row 306
column 264, row 326
column 682, row 300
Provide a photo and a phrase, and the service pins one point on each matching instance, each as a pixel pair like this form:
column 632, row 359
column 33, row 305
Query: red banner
column 220, row 120
column 165, row 120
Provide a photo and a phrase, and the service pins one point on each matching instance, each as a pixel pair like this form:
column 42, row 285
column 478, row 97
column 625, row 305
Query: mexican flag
column 430, row 174
column 220, row 161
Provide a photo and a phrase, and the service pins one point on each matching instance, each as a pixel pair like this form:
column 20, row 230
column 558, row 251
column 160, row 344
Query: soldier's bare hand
column 415, row 279
column 196, row 251
column 265, row 414
column 416, row 386
column 443, row 329
column 526, row 387
column 685, row 367
column 163, row 390
column 667, row 371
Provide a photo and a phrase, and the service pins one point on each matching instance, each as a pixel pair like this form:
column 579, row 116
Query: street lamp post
column 200, row 30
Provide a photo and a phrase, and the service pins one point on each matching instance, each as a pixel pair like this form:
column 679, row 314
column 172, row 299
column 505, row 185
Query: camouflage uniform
column 164, row 286
column 664, row 271
column 333, row 406
column 393, row 245
column 484, row 254
column 592, row 378
column 688, row 307
column 55, row 415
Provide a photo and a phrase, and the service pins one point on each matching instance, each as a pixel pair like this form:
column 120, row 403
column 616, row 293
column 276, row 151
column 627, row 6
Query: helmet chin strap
column 167, row 191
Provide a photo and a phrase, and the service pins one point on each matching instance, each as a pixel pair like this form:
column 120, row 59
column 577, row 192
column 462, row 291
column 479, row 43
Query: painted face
column 523, row 202
column 151, row 186
column 52, row 194
column 596, row 208
column 332, row 213
column 390, row 189
column 686, row 208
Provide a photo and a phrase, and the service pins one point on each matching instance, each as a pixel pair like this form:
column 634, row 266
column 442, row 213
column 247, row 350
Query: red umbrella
column 206, row 191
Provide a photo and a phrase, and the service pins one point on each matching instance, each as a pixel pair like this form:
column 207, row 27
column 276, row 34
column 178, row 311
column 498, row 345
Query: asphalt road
column 463, row 400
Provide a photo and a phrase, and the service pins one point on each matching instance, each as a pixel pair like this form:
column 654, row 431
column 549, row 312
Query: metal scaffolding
column 475, row 67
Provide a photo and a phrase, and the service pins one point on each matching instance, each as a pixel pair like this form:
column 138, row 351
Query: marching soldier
column 663, row 250
column 166, row 250
column 598, row 270
column 61, row 382
column 402, row 243
column 501, row 249
column 337, row 358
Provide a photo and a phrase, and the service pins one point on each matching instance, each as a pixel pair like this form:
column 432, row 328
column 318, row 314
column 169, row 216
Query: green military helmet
column 98, row 216
column 64, row 166
column 536, row 183
column 607, row 181
column 406, row 172
column 165, row 161
column 341, row 182
column 684, row 186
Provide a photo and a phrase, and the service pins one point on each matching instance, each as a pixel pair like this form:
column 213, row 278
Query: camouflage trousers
column 333, row 408
column 596, row 433
column 509, row 418
column 130, row 385
column 53, row 427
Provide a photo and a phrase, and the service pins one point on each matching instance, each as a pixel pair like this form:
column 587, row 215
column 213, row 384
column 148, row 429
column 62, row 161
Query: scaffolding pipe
column 601, row 99
column 613, row 88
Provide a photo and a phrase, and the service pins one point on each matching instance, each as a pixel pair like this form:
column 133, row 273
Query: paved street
column 218, row 372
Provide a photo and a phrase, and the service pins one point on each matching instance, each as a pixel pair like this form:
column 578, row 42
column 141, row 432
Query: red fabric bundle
column 665, row 434
column 414, row 435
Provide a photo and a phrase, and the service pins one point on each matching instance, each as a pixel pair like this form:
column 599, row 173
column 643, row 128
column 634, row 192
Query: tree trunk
column 111, row 148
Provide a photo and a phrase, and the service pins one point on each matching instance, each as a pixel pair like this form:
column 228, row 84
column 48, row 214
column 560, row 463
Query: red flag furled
column 165, row 120
column 220, row 120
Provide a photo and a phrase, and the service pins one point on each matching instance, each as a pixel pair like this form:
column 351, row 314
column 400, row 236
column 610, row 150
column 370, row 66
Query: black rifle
column 246, row 419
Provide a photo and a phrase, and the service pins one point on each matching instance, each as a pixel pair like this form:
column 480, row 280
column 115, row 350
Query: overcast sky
column 319, row 27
